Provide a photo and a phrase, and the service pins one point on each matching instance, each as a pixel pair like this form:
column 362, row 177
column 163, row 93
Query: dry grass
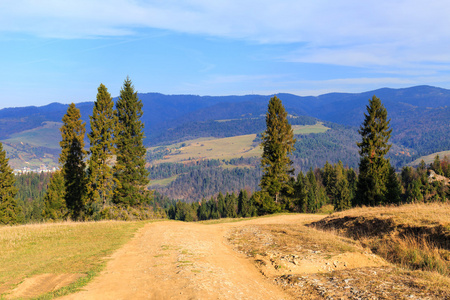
column 224, row 148
column 420, row 214
column 60, row 248
column 307, row 129
column 415, row 236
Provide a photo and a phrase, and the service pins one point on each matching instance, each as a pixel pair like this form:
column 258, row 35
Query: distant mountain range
column 420, row 119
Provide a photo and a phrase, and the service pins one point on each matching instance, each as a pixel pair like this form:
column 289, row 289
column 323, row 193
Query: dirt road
column 173, row 260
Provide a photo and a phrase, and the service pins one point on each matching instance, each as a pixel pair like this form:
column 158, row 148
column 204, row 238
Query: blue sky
column 60, row 51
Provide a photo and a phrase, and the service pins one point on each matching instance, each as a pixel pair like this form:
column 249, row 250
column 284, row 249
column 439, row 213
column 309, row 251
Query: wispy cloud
column 345, row 32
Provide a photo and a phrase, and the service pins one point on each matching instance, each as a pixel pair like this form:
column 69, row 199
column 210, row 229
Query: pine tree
column 374, row 167
column 277, row 143
column 9, row 208
column 301, row 193
column 72, row 162
column 54, row 203
column 130, row 172
column 100, row 175
column 341, row 196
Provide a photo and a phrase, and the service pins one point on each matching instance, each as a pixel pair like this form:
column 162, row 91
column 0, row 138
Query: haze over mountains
column 420, row 119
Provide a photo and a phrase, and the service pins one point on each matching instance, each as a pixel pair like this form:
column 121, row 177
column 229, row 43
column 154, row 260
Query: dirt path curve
column 174, row 260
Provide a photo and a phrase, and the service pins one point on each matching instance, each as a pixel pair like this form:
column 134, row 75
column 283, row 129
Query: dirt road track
column 174, row 260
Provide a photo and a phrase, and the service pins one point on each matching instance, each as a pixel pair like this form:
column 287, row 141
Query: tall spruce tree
column 72, row 162
column 101, row 138
column 277, row 143
column 9, row 208
column 374, row 168
column 130, row 172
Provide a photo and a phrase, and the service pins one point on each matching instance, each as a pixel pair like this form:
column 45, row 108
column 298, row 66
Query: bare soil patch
column 41, row 284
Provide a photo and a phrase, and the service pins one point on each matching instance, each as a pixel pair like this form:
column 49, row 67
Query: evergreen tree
column 277, row 143
column 393, row 188
column 436, row 165
column 54, row 201
column 301, row 193
column 100, row 175
column 341, row 196
column 374, row 168
column 72, row 162
column 231, row 205
column 9, row 208
column 130, row 172
column 221, row 205
column 245, row 207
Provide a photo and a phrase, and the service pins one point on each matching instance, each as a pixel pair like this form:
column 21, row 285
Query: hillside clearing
column 223, row 148
column 428, row 159
column 307, row 129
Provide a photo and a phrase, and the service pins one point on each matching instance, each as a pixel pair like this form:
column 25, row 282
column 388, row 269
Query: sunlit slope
column 222, row 148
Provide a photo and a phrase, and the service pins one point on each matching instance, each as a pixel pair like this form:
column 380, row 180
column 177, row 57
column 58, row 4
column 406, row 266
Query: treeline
column 31, row 189
column 228, row 206
column 334, row 185
column 204, row 182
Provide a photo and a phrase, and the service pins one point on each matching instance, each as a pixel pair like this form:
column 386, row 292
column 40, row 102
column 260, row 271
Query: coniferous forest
column 109, row 178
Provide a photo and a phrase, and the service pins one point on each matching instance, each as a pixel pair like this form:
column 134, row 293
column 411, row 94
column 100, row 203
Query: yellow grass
column 428, row 159
column 162, row 182
column 224, row 148
column 420, row 214
column 306, row 129
column 60, row 248
column 413, row 235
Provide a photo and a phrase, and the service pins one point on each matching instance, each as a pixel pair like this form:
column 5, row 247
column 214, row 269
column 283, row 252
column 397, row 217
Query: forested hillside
column 419, row 118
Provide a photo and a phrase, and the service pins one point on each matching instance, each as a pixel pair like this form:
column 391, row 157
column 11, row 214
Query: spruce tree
column 102, row 148
column 9, row 208
column 129, row 172
column 72, row 162
column 341, row 192
column 374, row 168
column 277, row 143
column 54, row 201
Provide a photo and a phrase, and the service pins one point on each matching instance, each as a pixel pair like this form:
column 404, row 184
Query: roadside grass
column 59, row 248
column 414, row 236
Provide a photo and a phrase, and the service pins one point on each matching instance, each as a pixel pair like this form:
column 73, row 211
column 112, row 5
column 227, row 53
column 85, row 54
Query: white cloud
column 348, row 32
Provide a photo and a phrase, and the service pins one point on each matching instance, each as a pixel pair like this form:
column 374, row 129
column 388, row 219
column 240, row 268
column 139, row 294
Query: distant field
column 47, row 135
column 162, row 182
column 428, row 159
column 226, row 148
column 307, row 129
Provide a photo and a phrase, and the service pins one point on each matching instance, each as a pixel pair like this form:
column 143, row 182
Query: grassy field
column 162, row 182
column 226, row 148
column 61, row 248
column 307, row 129
column 428, row 159
column 47, row 135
